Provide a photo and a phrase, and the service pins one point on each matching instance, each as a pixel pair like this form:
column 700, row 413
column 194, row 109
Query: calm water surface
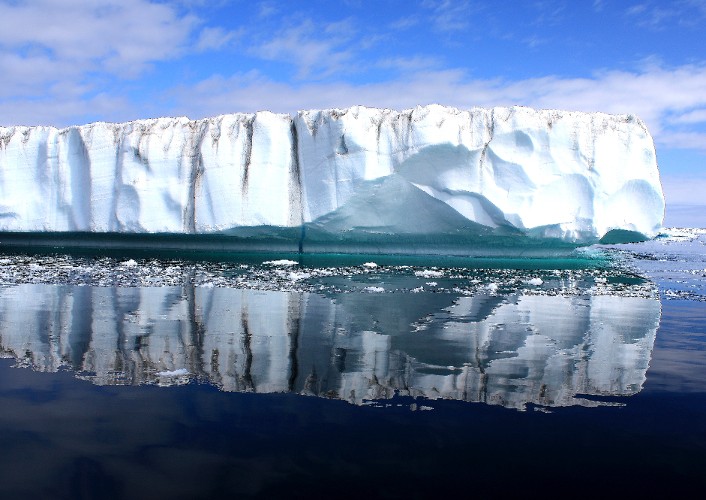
column 156, row 379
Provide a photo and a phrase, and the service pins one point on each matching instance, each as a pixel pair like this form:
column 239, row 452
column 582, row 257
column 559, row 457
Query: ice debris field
column 672, row 266
column 325, row 180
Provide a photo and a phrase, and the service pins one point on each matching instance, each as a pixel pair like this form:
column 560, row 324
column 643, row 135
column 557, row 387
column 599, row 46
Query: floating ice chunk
column 129, row 263
column 428, row 273
column 281, row 262
column 374, row 289
column 370, row 265
column 173, row 373
column 535, row 281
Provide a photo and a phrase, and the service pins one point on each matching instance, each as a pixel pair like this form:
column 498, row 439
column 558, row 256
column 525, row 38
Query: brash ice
column 361, row 174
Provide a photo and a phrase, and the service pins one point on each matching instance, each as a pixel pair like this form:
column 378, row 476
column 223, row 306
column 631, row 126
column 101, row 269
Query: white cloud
column 450, row 15
column 695, row 116
column 404, row 23
column 416, row 63
column 115, row 35
column 316, row 51
column 657, row 15
column 49, row 111
column 61, row 53
column 686, row 190
column 678, row 215
column 267, row 9
column 215, row 39
column 686, row 204
column 683, row 140
column 654, row 94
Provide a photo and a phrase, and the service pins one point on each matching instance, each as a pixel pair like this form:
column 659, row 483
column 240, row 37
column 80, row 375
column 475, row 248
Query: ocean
column 138, row 375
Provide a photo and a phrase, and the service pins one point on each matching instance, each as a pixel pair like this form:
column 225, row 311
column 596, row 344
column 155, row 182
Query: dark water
column 479, row 384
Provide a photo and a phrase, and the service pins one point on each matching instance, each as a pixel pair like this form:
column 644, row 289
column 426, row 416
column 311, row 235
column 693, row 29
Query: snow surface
column 358, row 171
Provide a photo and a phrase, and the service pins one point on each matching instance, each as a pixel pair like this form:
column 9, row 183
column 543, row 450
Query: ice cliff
column 342, row 175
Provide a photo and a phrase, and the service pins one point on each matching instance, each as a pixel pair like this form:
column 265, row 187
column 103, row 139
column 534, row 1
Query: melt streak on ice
column 429, row 170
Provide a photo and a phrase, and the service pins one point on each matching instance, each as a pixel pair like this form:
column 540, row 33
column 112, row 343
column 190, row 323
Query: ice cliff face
column 354, row 173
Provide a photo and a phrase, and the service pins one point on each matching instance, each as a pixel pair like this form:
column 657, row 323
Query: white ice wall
column 549, row 173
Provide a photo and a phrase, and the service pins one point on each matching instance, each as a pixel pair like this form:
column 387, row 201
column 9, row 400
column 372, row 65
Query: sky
column 70, row 62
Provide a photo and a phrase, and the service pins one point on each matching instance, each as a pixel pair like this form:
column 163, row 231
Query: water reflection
column 508, row 350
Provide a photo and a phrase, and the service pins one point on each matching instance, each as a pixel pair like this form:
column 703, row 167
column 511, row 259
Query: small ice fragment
column 492, row 287
column 535, row 281
column 281, row 262
column 295, row 276
column 432, row 283
column 426, row 273
column 418, row 289
column 374, row 289
column 370, row 265
column 173, row 373
column 129, row 263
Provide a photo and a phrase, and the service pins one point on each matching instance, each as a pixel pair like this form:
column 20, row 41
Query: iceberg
column 432, row 177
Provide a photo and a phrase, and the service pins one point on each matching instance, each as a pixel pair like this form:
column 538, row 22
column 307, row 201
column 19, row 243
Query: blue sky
column 66, row 62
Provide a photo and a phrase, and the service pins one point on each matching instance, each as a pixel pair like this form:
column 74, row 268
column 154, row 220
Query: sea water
column 138, row 376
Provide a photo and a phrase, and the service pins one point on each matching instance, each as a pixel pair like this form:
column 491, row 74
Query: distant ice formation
column 432, row 175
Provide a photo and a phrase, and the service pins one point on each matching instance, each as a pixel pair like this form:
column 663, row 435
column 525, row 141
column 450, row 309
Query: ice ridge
column 356, row 174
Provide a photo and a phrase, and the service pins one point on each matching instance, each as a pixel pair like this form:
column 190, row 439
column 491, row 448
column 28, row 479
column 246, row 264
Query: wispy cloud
column 409, row 64
column 404, row 23
column 449, row 16
column 315, row 51
column 655, row 94
column 120, row 36
column 215, row 39
column 598, row 5
column 686, row 190
column 62, row 54
column 690, row 117
column 659, row 15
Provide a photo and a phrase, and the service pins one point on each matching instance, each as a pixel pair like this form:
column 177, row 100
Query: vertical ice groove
column 114, row 224
column 296, row 214
column 249, row 130
column 194, row 153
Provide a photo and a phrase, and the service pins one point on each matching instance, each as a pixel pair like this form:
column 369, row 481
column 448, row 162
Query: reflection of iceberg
column 509, row 350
